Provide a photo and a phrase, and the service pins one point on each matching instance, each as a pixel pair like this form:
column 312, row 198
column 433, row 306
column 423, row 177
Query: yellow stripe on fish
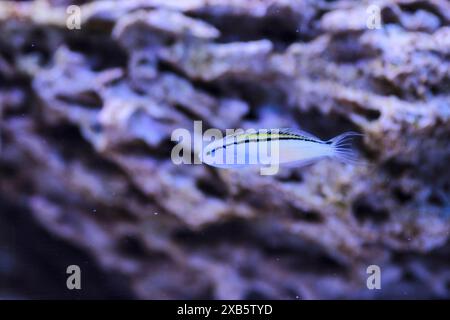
column 267, row 135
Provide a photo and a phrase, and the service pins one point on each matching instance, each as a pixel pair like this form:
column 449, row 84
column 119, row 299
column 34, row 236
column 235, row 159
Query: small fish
column 266, row 147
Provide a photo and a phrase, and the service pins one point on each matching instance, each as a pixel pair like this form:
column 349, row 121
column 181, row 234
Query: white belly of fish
column 297, row 151
column 267, row 153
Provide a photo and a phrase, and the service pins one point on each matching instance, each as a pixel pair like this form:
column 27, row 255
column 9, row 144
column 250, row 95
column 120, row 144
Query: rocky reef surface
column 87, row 178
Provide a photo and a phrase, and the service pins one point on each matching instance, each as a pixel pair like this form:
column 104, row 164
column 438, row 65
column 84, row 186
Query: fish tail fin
column 342, row 148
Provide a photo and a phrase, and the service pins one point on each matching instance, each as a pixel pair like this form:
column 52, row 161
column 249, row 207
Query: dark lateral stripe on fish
column 268, row 138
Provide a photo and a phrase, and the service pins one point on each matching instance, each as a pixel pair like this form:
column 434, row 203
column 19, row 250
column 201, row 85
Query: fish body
column 276, row 146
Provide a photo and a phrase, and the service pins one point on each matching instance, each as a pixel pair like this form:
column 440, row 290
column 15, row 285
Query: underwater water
column 106, row 108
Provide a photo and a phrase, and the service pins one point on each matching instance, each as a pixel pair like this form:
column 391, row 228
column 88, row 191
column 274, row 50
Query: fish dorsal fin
column 298, row 132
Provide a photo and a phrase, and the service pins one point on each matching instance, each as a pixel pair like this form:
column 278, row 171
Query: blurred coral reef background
column 86, row 174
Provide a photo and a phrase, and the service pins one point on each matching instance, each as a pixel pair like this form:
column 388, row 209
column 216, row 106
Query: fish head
column 211, row 154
